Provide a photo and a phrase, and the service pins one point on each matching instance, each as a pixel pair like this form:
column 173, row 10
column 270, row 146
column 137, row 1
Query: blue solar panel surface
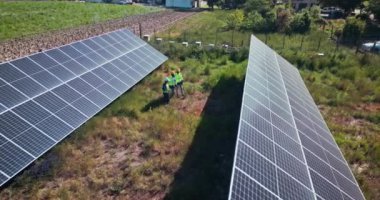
column 284, row 148
column 46, row 96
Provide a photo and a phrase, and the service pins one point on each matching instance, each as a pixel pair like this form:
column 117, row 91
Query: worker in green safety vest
column 179, row 81
column 172, row 83
column 165, row 91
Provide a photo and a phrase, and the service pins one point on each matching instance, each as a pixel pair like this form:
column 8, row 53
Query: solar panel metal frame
column 327, row 174
column 36, row 137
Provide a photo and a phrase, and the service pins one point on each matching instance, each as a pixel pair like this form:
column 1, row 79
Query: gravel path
column 19, row 47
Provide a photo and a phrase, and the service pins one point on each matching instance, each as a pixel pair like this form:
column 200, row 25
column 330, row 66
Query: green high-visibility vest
column 172, row 81
column 178, row 77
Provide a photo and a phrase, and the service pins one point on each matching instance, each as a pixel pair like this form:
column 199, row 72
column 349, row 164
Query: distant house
column 180, row 3
column 301, row 4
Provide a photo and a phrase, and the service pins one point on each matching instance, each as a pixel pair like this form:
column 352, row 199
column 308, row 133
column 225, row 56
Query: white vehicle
column 369, row 47
column 124, row 2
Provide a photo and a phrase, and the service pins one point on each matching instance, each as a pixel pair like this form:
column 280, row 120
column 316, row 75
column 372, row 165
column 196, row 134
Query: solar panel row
column 48, row 95
column 284, row 148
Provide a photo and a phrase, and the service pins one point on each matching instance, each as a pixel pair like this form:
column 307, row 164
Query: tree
column 261, row 6
column 301, row 23
column 212, row 3
column 235, row 19
column 284, row 17
column 374, row 7
column 270, row 21
column 254, row 21
column 347, row 5
column 315, row 12
column 352, row 30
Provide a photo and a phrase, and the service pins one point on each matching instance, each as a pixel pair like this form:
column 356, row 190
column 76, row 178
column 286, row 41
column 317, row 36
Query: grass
column 344, row 84
column 18, row 19
column 208, row 27
column 138, row 148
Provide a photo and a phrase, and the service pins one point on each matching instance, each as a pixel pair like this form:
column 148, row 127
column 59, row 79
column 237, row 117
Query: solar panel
column 284, row 148
column 46, row 96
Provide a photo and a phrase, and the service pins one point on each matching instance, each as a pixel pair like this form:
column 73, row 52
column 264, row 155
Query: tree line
column 372, row 6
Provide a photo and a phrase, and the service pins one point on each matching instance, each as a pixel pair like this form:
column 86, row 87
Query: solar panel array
column 284, row 148
column 46, row 96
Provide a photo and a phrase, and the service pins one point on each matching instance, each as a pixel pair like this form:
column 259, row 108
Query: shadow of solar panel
column 290, row 152
column 50, row 94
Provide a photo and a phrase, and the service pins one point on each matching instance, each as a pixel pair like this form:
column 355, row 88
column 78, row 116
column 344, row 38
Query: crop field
column 25, row 18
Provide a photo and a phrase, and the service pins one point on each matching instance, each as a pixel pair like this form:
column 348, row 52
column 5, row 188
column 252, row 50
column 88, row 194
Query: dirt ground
column 150, row 23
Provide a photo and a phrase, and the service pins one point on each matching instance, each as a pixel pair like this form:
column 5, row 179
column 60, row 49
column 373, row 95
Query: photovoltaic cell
column 244, row 187
column 28, row 86
column 47, row 95
column 284, row 149
column 12, row 158
column 46, row 79
column 42, row 60
column 54, row 127
column 14, row 97
column 34, row 141
column 9, row 73
column 27, row 66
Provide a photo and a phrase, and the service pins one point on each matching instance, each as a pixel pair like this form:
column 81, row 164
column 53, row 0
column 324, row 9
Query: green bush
column 239, row 55
column 254, row 21
column 315, row 12
column 352, row 30
column 284, row 17
column 301, row 23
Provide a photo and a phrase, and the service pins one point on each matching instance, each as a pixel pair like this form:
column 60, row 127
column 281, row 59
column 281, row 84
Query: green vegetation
column 139, row 148
column 28, row 18
column 352, row 30
column 374, row 7
column 345, row 85
column 208, row 27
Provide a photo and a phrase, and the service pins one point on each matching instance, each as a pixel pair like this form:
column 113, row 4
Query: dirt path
column 19, row 47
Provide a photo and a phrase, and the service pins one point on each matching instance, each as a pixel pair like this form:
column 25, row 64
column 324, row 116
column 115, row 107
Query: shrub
column 315, row 12
column 261, row 6
column 235, row 19
column 254, row 21
column 284, row 18
column 377, row 95
column 374, row 7
column 301, row 23
column 352, row 30
column 239, row 55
